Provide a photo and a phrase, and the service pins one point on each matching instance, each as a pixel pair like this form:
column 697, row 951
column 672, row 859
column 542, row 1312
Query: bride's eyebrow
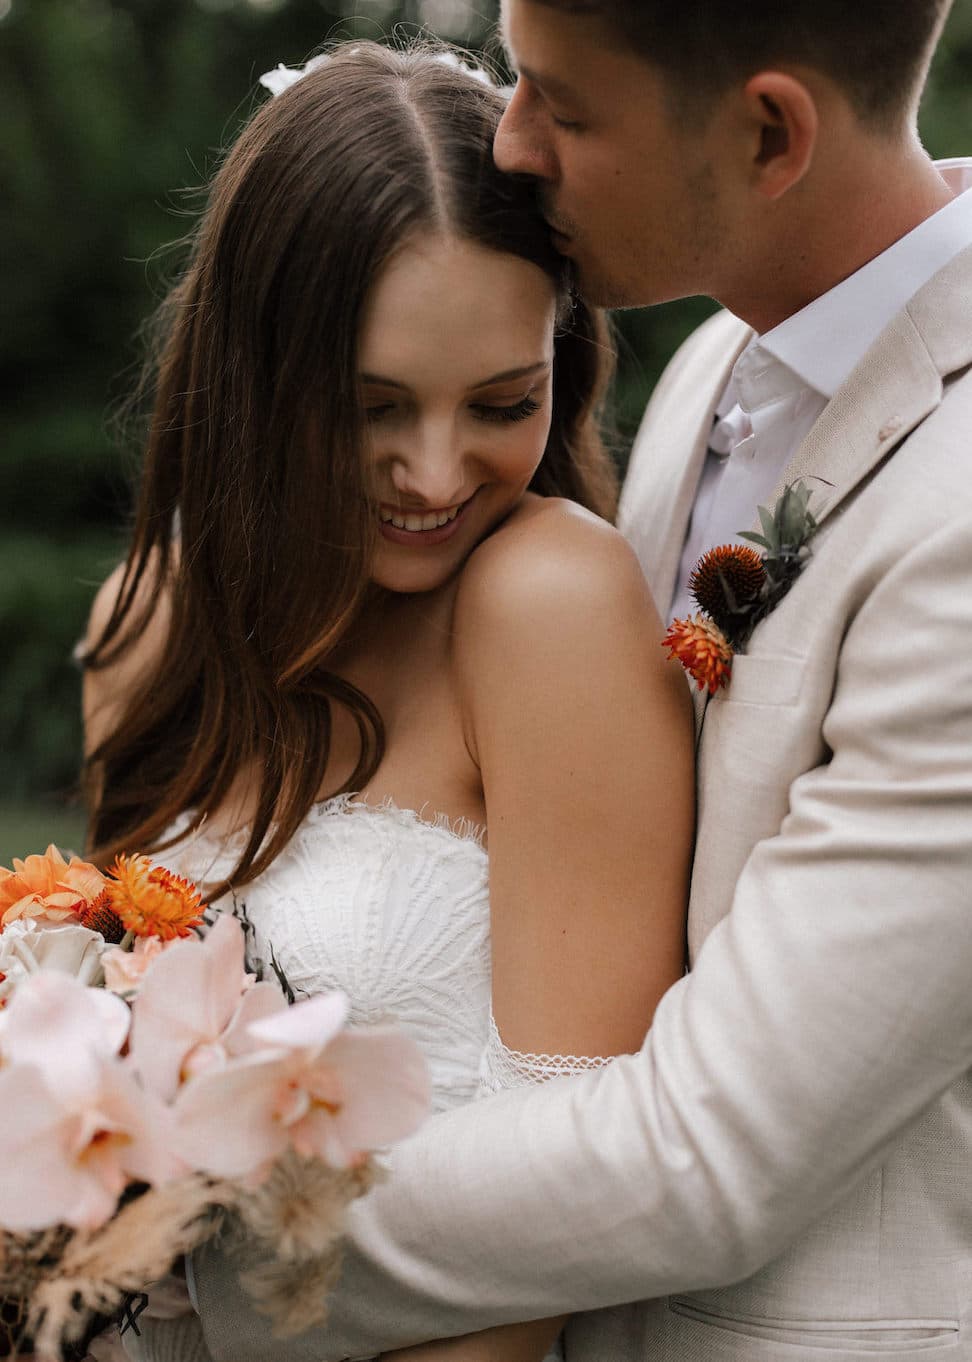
column 508, row 375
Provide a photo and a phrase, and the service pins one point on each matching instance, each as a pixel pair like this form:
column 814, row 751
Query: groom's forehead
column 570, row 43
column 561, row 34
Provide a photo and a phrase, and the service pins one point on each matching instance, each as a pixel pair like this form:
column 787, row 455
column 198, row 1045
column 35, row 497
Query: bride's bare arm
column 508, row 1343
column 106, row 691
column 583, row 734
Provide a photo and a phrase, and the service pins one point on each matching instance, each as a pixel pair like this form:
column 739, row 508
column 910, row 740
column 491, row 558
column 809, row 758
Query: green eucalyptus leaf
column 768, row 522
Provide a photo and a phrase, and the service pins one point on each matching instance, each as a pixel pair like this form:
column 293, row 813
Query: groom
column 784, row 1172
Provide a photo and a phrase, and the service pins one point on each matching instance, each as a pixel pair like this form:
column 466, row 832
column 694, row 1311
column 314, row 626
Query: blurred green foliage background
column 113, row 114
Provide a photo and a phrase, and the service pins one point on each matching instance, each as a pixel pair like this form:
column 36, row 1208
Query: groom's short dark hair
column 877, row 52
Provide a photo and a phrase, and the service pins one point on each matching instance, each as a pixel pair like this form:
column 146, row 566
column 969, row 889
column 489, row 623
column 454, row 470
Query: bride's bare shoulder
column 556, row 630
column 551, row 558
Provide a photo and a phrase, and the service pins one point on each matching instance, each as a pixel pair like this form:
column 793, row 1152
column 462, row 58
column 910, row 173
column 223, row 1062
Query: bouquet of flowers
column 152, row 1088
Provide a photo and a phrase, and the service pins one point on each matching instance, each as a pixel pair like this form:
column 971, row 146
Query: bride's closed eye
column 378, row 411
column 516, row 411
column 484, row 411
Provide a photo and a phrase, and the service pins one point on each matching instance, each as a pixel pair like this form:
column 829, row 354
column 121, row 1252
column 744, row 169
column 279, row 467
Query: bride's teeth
column 432, row 520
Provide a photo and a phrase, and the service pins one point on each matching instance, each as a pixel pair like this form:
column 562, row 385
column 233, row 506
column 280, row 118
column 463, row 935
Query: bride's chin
column 407, row 579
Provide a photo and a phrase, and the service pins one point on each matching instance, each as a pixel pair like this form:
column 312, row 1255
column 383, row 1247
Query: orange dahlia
column 151, row 901
column 703, row 650
column 48, row 887
column 726, row 581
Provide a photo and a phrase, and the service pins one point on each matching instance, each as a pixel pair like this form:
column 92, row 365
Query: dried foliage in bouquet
column 158, row 1085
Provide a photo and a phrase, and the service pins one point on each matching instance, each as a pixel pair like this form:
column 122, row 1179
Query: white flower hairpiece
column 282, row 77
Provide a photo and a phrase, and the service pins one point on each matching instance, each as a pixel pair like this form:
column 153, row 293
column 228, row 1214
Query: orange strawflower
column 703, row 650
column 151, row 901
column 48, row 887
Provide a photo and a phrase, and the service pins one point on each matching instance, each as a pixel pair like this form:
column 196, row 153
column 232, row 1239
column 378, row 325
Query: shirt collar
column 825, row 341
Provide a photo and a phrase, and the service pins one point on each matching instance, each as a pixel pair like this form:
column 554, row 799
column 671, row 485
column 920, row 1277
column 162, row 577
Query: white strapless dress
column 386, row 905
column 391, row 907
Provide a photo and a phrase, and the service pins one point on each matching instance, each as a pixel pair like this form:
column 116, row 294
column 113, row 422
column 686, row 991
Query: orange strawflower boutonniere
column 735, row 587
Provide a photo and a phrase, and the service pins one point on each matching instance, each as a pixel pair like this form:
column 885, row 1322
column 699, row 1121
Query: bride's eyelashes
column 484, row 411
column 517, row 411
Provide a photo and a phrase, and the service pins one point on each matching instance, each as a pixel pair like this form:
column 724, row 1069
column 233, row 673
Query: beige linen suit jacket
column 784, row 1171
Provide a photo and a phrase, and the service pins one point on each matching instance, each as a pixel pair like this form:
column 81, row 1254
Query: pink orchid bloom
column 70, row 1153
column 192, row 994
column 64, row 1029
column 310, row 1087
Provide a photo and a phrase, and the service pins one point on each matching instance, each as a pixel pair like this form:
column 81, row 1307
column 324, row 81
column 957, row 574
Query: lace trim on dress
column 461, row 829
column 501, row 1067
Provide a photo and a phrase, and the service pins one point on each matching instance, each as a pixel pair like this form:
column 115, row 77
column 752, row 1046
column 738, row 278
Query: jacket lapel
column 897, row 384
column 669, row 451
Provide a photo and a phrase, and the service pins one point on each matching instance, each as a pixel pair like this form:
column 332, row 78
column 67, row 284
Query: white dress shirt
column 784, row 379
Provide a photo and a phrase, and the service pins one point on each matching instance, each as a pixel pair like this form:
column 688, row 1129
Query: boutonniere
column 735, row 587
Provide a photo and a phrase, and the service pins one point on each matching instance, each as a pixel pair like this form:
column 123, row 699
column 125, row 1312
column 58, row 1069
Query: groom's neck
column 858, row 201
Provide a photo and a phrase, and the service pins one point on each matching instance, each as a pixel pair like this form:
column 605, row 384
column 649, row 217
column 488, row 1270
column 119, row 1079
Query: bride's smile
column 401, row 525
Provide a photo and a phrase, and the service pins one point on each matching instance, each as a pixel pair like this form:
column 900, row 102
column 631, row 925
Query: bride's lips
column 422, row 538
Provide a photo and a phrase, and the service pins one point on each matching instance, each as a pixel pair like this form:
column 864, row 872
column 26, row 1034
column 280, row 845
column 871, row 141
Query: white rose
column 28, row 945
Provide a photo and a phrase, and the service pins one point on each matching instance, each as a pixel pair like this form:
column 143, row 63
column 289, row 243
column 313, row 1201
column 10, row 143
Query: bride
column 371, row 622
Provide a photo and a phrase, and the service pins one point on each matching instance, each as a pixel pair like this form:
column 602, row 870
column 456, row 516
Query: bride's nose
column 428, row 470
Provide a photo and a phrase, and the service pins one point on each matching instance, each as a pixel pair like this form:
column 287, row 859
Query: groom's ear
column 783, row 122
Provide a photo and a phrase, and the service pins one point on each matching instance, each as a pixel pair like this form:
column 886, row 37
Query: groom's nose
column 520, row 146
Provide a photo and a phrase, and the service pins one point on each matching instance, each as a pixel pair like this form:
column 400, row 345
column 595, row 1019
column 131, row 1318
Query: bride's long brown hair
column 253, row 523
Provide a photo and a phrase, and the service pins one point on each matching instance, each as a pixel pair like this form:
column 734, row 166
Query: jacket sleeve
column 825, row 1013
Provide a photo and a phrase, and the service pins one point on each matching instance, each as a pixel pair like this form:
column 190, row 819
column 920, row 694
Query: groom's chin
column 598, row 290
column 601, row 288
column 598, row 285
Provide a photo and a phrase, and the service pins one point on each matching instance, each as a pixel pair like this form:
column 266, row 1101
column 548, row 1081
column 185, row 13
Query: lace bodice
column 385, row 905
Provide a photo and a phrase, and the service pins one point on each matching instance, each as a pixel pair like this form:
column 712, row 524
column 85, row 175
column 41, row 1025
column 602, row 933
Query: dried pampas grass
column 71, row 1277
column 286, row 1234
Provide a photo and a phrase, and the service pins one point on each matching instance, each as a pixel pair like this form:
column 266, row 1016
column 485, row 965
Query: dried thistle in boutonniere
column 735, row 587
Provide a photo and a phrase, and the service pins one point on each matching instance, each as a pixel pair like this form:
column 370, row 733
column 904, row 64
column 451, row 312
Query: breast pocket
column 757, row 737
column 764, row 679
column 757, row 1339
